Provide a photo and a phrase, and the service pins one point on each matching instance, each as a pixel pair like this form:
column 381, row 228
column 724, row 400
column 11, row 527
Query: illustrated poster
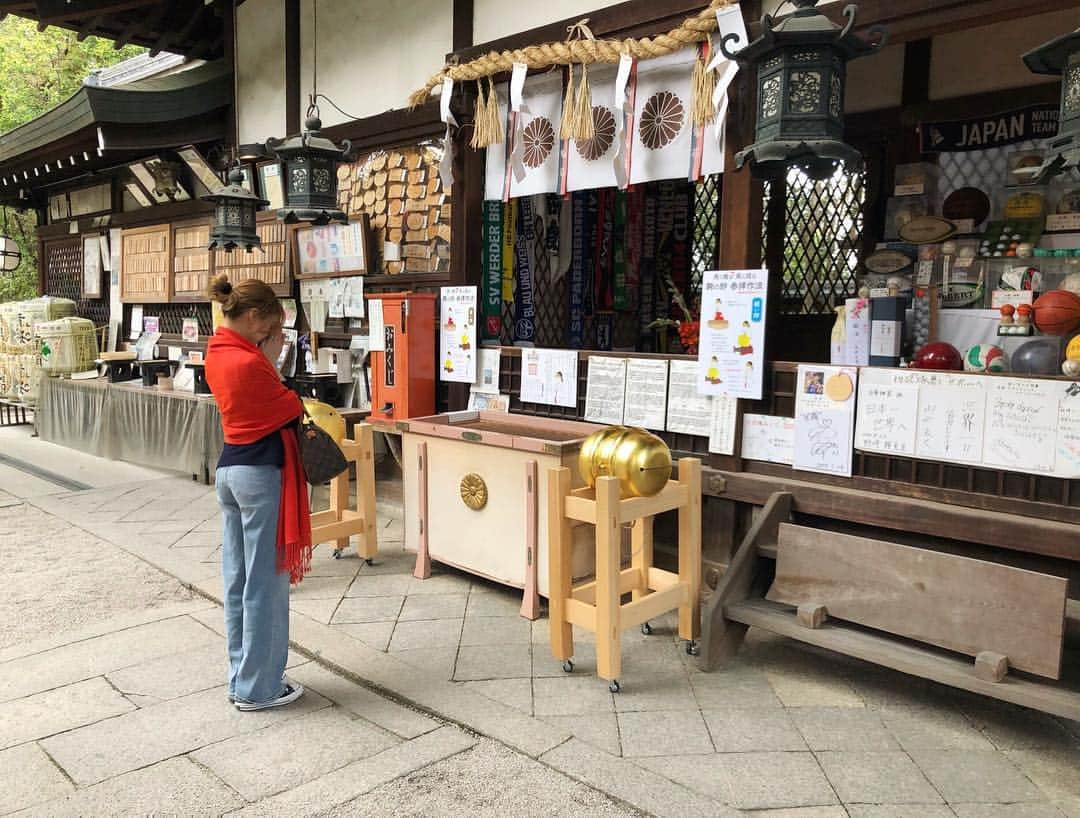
column 190, row 330
column 825, row 418
column 549, row 376
column 605, row 390
column 730, row 352
column 457, row 334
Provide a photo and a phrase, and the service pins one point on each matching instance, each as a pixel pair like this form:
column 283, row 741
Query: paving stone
column 1056, row 772
column 170, row 677
column 571, row 695
column 900, row 811
column 54, row 711
column 373, row 634
column 359, row 777
column 801, row 812
column 843, row 728
column 637, row 784
column 369, row 609
column 493, row 662
column 451, row 582
column 1015, row 728
column 203, row 540
column 108, row 748
column 324, row 564
column 735, row 687
column 774, row 780
column 380, row 585
column 515, row 693
column 435, row 633
column 177, row 785
column 494, row 603
column 982, row 776
column 391, row 561
column 656, row 691
column 920, row 728
column 433, row 606
column 321, row 610
column 371, row 706
column 600, row 730
column 496, row 630
column 752, row 730
column 877, row 778
column 29, row 778
column 1045, row 810
column 292, row 753
column 546, row 665
column 93, row 657
column 436, row 663
column 663, row 734
column 321, row 588
column 796, row 691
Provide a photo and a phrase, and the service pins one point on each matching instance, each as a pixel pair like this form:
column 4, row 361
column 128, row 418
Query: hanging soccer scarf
column 673, row 241
column 493, row 270
column 524, row 305
column 635, row 214
column 605, row 330
column 603, row 262
column 663, row 129
column 646, row 292
column 618, row 252
column 575, row 336
column 592, row 206
column 509, row 239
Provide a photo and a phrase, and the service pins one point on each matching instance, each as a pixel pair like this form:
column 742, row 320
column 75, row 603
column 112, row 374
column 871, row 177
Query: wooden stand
column 341, row 521
column 596, row 606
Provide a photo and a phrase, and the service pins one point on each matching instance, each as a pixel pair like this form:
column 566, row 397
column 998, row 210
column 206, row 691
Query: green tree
column 39, row 70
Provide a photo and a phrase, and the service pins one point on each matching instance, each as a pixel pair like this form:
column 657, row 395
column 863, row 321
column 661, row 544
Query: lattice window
column 63, row 279
column 823, row 221
column 707, row 198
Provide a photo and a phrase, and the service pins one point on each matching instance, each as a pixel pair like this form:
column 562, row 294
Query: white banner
column 537, row 147
column 590, row 164
column 662, row 127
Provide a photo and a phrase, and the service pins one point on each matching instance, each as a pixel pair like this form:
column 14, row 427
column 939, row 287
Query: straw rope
column 578, row 51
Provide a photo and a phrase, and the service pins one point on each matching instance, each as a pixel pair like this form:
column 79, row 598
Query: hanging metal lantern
column 801, row 67
column 10, row 254
column 309, row 174
column 1061, row 58
column 234, row 215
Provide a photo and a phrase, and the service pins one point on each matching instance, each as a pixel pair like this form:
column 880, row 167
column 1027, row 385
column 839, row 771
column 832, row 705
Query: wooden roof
column 189, row 27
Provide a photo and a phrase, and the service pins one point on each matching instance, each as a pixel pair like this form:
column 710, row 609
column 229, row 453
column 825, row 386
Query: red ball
column 1057, row 312
column 938, row 355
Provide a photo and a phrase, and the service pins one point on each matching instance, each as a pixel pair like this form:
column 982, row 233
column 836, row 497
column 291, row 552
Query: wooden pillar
column 559, row 568
column 292, row 67
column 608, row 542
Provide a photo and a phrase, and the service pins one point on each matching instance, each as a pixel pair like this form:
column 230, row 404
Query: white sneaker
column 291, row 692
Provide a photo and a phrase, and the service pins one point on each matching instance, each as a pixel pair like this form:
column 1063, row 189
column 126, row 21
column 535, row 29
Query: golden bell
column 640, row 461
column 327, row 418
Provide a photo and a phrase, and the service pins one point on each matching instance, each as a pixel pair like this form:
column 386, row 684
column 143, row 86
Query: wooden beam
column 292, row 67
column 56, row 11
column 463, row 24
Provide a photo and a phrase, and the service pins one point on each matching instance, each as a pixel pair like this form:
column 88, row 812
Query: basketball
column 1057, row 312
column 984, row 358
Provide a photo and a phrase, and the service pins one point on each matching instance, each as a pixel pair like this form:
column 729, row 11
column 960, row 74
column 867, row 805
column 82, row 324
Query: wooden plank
column 690, row 548
column 672, row 496
column 581, row 509
column 925, row 663
column 721, row 636
column 560, row 540
column 530, row 600
column 581, row 614
column 660, row 580
column 629, row 580
column 368, row 545
column 641, row 553
column 653, row 605
column 608, row 542
column 953, row 602
column 423, row 554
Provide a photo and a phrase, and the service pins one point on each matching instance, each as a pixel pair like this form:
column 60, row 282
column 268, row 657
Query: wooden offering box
column 474, row 500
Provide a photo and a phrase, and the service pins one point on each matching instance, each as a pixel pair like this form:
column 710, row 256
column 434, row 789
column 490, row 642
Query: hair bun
column 226, row 288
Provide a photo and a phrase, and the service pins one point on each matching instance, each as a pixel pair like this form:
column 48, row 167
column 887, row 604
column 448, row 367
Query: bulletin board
column 333, row 249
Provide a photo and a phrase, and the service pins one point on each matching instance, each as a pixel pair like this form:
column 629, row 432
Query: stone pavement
column 785, row 731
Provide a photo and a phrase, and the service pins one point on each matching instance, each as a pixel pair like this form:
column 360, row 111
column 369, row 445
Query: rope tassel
column 487, row 124
column 566, row 129
column 703, row 84
column 583, row 127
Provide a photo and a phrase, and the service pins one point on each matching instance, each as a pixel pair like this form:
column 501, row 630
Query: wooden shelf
column 192, row 265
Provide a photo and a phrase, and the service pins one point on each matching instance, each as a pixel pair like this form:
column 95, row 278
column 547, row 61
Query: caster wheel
column 691, row 649
column 568, row 666
column 369, row 561
column 614, row 686
column 646, row 629
column 337, row 555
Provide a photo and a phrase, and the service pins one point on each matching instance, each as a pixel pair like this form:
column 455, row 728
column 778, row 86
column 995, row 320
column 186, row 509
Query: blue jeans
column 256, row 595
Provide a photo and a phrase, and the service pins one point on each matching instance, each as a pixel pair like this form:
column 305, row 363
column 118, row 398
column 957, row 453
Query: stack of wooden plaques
column 268, row 263
column 145, row 270
column 191, row 263
column 403, row 196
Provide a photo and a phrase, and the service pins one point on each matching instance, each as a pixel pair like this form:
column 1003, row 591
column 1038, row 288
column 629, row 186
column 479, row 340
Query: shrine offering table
column 127, row 421
column 473, row 494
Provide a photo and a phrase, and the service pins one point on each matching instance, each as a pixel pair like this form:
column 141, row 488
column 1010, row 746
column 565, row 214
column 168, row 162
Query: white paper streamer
column 518, row 107
column 626, row 65
column 446, row 166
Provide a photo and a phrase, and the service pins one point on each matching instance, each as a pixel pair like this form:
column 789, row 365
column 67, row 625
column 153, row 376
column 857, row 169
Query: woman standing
column 262, row 491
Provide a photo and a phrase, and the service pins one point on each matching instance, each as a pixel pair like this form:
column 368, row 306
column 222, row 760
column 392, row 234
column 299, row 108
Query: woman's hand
column 272, row 345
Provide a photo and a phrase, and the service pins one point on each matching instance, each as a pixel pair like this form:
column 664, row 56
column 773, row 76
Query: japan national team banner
column 662, row 127
column 534, row 160
column 589, row 163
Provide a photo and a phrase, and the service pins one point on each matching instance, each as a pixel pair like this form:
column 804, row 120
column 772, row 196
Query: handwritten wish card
column 825, row 418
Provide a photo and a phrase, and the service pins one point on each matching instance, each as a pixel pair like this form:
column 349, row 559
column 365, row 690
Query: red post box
column 403, row 375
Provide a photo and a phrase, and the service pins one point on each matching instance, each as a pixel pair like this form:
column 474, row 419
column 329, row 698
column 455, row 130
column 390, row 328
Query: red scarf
column 255, row 403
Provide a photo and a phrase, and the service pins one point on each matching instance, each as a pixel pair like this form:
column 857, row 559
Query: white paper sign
column 687, row 412
column 722, row 426
column 354, row 297
column 485, row 401
column 730, row 352
column 646, row 393
column 825, row 418
column 886, row 418
column 136, row 322
column 1021, row 424
column 769, row 438
column 549, row 376
column 376, row 331
column 487, row 373
column 951, row 420
column 605, row 389
column 1068, row 436
column 457, row 334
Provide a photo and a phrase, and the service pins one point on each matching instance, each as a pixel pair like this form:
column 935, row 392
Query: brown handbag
column 322, row 458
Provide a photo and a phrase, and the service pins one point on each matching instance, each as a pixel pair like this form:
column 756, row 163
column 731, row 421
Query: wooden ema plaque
column 145, row 264
column 268, row 263
column 191, row 260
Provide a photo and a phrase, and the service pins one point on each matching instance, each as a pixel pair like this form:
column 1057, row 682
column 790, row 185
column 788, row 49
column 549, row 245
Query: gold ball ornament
column 640, row 461
column 327, row 418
